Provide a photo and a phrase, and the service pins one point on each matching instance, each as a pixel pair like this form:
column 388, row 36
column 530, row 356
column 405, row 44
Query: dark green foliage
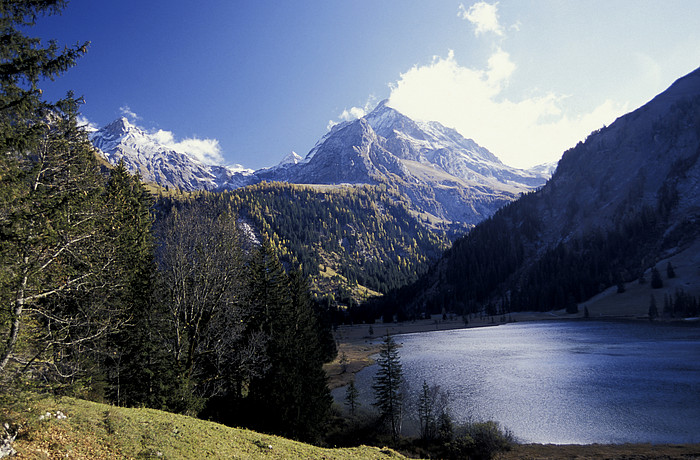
column 670, row 272
column 25, row 62
column 295, row 387
column 387, row 387
column 653, row 310
column 656, row 282
column 65, row 267
column 489, row 262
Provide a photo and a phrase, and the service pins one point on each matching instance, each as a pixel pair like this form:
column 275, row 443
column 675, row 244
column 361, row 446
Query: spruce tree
column 136, row 360
column 44, row 166
column 656, row 281
column 351, row 397
column 387, row 386
column 295, row 387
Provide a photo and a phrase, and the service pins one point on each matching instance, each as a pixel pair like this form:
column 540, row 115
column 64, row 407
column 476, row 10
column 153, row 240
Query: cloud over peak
column 206, row 151
column 522, row 133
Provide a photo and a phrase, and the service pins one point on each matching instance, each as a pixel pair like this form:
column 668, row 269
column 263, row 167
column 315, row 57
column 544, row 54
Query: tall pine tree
column 387, row 386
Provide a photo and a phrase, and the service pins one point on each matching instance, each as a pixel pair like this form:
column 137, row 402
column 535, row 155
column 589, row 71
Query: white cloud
column 127, row 112
column 207, row 151
column 484, row 16
column 522, row 133
column 83, row 122
column 353, row 113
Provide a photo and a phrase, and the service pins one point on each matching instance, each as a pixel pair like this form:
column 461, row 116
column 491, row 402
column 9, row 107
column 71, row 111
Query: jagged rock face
column 120, row 141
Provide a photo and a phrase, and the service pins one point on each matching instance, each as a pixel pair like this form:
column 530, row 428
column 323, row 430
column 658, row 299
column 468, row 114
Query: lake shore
column 598, row 451
column 359, row 342
column 359, row 346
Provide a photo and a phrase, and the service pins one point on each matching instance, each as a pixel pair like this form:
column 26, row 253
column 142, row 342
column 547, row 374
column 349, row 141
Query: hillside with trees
column 618, row 203
column 354, row 242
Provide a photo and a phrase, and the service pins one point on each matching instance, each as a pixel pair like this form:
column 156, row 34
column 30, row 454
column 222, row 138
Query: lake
column 563, row 382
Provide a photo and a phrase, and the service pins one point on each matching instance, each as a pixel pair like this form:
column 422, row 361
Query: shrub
column 480, row 441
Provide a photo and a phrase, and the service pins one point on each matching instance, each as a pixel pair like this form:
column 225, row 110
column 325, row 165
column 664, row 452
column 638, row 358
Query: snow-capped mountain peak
column 291, row 159
column 154, row 158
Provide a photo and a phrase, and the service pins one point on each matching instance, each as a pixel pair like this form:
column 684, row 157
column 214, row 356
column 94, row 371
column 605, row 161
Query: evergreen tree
column 295, row 386
column 57, row 251
column 387, row 386
column 653, row 310
column 670, row 272
column 136, row 359
column 47, row 178
column 351, row 397
column 656, row 282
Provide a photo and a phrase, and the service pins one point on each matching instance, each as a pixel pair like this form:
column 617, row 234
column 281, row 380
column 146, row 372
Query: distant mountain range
column 445, row 176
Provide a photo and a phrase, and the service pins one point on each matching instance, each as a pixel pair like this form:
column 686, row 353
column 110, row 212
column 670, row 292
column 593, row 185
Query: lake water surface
column 563, row 382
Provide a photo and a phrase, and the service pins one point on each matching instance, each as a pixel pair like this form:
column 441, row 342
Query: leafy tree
column 387, row 386
column 202, row 281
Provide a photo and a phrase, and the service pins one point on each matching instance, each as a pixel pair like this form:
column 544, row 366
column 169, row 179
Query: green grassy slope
column 94, row 431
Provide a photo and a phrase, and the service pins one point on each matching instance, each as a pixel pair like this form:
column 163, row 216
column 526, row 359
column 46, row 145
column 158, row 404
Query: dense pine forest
column 354, row 242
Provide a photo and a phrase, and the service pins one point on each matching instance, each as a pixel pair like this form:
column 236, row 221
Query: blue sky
column 249, row 81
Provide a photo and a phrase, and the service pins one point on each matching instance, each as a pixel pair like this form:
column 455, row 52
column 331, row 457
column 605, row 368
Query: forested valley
column 222, row 305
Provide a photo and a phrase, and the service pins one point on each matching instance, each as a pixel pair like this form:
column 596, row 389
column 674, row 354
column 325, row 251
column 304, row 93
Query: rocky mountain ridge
column 144, row 154
column 447, row 177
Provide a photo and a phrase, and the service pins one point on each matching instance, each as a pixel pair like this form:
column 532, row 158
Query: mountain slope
column 618, row 203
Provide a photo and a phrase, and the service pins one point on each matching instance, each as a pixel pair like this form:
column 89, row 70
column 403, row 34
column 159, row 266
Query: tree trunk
column 14, row 327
